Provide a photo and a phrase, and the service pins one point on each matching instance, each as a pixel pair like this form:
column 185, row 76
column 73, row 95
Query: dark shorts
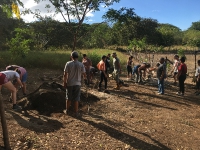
column 3, row 79
column 129, row 69
column 73, row 93
column 197, row 84
column 24, row 77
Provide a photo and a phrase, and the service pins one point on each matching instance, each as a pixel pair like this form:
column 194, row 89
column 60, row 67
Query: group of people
column 16, row 76
column 13, row 77
column 75, row 70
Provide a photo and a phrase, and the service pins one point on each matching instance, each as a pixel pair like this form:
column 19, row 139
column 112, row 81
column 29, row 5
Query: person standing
column 73, row 72
column 108, row 63
column 117, row 69
column 197, row 78
column 5, row 80
column 103, row 74
column 129, row 67
column 175, row 67
column 87, row 63
column 182, row 70
column 161, row 75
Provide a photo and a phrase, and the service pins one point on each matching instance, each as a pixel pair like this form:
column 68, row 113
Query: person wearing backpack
column 161, row 75
column 103, row 73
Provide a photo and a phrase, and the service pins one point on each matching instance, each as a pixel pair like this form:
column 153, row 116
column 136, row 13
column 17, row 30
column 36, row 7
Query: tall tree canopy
column 75, row 11
column 195, row 26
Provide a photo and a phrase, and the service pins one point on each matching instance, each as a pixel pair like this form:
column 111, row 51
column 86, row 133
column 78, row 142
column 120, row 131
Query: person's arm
column 179, row 71
column 162, row 75
column 119, row 66
column 19, row 82
column 65, row 77
column 104, row 69
column 141, row 68
column 90, row 62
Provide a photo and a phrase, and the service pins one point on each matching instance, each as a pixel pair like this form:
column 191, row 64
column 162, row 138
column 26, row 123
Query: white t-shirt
column 176, row 64
column 11, row 75
column 197, row 71
column 74, row 69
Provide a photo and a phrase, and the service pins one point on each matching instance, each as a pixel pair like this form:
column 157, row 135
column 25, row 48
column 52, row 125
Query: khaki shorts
column 116, row 76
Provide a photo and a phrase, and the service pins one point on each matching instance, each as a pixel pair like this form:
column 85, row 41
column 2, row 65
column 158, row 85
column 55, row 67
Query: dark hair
column 11, row 68
column 182, row 59
column 103, row 57
column 74, row 54
column 147, row 65
column 198, row 61
column 84, row 55
column 162, row 58
column 176, row 56
column 18, row 71
column 130, row 57
column 158, row 64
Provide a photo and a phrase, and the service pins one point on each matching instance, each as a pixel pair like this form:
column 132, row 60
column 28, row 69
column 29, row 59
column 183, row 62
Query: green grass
column 54, row 59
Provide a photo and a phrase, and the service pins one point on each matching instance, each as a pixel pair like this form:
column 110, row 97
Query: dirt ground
column 133, row 118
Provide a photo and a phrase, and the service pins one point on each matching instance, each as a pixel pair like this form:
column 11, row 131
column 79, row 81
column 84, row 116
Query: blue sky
column 180, row 13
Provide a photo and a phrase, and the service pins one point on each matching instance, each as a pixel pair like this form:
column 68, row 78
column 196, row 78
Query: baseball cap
column 74, row 54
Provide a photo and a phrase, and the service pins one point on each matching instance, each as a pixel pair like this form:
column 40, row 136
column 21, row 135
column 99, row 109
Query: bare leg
column 68, row 104
column 13, row 90
column 76, row 106
column 24, row 88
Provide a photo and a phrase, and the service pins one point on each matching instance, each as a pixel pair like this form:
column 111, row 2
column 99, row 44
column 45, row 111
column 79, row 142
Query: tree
column 168, row 32
column 75, row 11
column 195, row 26
column 7, row 6
column 99, row 37
column 192, row 38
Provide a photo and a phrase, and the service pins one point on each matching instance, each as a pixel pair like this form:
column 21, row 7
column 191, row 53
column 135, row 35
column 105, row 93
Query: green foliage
column 168, row 33
column 19, row 45
column 181, row 53
column 195, row 26
column 55, row 59
column 192, row 38
column 138, row 44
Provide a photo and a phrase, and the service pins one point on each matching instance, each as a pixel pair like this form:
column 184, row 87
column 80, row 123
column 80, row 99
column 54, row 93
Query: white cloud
column 155, row 10
column 30, row 4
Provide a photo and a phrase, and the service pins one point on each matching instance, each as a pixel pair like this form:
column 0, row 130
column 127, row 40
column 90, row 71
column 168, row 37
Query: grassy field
column 57, row 59
column 52, row 59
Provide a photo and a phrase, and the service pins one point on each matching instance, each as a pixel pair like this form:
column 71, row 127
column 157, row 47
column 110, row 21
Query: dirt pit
column 49, row 98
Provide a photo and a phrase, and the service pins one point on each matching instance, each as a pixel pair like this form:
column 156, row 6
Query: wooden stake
column 4, row 125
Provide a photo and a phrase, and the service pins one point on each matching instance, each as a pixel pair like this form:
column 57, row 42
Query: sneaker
column 106, row 91
column 179, row 93
column 77, row 115
column 65, row 112
column 16, row 107
column 197, row 93
column 99, row 89
column 160, row 94
column 116, row 88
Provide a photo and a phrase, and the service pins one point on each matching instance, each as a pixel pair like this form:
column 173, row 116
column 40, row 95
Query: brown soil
column 134, row 117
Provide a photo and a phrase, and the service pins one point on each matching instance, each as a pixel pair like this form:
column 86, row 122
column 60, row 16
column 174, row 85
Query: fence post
column 4, row 125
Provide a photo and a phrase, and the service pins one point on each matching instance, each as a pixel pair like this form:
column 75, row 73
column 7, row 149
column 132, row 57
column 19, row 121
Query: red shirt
column 183, row 69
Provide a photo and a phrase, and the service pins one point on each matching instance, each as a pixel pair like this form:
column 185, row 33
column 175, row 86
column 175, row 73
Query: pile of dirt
column 49, row 98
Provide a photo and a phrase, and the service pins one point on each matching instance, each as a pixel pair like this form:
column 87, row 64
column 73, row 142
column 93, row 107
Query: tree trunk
column 4, row 125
